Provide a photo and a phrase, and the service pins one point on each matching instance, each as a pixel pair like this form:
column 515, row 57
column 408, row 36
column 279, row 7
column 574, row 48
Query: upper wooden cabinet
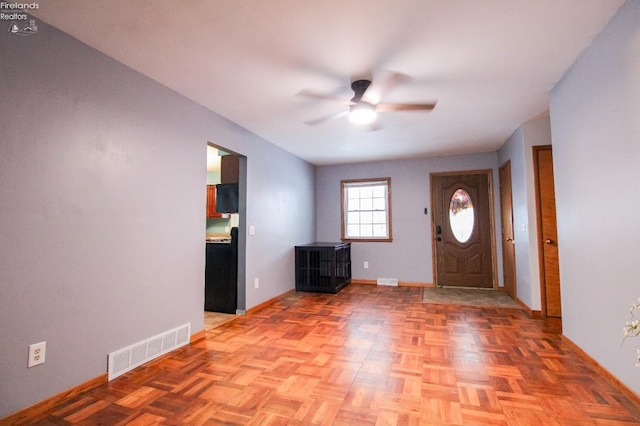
column 230, row 169
column 211, row 202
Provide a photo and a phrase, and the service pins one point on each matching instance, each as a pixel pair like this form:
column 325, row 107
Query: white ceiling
column 489, row 63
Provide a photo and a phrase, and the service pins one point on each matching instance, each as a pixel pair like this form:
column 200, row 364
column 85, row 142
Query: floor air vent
column 387, row 281
column 126, row 359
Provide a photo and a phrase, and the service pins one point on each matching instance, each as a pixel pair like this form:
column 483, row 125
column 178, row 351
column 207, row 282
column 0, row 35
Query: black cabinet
column 323, row 267
column 221, row 276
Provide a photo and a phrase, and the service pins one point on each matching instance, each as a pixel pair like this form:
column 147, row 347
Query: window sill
column 367, row 240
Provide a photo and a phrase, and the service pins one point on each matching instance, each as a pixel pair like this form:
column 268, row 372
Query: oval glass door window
column 461, row 215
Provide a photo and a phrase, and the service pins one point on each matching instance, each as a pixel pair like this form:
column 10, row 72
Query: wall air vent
column 126, row 359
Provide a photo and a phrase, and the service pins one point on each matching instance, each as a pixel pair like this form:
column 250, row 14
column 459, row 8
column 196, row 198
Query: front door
column 547, row 231
column 463, row 249
column 508, row 242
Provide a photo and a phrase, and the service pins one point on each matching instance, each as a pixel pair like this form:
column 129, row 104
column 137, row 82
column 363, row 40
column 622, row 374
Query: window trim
column 345, row 183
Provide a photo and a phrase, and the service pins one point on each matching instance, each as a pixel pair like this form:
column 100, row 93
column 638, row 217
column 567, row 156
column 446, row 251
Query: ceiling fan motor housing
column 359, row 87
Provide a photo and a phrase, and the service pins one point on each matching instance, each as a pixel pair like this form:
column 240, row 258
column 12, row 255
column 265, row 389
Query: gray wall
column 518, row 150
column 409, row 257
column 595, row 124
column 281, row 207
column 102, row 212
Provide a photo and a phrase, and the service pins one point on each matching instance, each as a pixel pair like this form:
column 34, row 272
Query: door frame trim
column 492, row 224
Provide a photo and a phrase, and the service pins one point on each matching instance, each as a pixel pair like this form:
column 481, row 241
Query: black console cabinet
column 323, row 267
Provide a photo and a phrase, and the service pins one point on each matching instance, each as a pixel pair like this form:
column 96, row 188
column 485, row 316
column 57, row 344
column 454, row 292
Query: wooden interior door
column 462, row 260
column 508, row 242
column 547, row 232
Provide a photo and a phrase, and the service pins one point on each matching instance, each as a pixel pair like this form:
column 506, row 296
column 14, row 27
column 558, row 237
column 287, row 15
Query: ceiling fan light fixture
column 362, row 113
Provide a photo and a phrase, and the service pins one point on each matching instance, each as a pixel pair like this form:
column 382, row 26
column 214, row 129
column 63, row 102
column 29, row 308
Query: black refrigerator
column 221, row 276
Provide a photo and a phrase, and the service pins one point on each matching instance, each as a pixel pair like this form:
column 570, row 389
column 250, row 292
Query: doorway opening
column 224, row 275
column 462, row 227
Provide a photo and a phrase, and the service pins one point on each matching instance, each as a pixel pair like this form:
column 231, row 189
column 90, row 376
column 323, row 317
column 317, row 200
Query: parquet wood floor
column 366, row 356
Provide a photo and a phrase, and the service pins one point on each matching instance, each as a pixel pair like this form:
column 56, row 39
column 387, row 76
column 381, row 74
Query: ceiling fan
column 364, row 111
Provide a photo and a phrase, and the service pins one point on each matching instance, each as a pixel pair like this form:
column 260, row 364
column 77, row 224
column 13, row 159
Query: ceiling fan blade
column 326, row 118
column 381, row 86
column 314, row 95
column 404, row 107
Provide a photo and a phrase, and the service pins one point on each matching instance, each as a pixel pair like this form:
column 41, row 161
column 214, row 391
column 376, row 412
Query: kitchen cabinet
column 230, row 169
column 211, row 202
column 323, row 267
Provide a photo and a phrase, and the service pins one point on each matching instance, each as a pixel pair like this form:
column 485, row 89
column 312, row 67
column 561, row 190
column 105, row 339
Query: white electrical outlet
column 366, row 265
column 256, row 283
column 36, row 354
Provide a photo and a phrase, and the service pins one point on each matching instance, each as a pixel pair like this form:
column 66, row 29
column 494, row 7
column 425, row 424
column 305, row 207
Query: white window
column 366, row 209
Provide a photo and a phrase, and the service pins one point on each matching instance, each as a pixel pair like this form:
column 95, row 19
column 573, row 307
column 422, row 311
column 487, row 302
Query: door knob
column 548, row 241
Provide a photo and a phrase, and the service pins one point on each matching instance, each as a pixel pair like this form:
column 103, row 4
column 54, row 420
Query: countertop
column 218, row 238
